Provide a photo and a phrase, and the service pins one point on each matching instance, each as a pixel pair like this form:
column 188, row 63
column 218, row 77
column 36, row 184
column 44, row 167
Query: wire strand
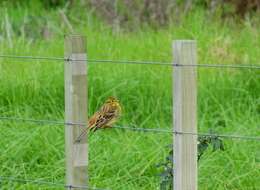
column 49, row 183
column 133, row 128
column 33, row 57
column 234, row 66
column 219, row 135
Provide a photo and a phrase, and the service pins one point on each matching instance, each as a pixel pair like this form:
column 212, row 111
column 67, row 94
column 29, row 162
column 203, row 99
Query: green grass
column 228, row 102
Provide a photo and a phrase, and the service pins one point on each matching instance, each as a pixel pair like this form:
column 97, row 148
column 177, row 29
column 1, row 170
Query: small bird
column 104, row 118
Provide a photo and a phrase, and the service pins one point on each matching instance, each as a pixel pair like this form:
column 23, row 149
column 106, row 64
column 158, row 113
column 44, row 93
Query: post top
column 75, row 44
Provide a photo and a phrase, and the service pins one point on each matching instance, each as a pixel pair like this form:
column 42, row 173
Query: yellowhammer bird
column 105, row 117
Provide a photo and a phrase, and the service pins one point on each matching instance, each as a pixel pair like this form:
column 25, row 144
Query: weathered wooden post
column 185, row 115
column 75, row 110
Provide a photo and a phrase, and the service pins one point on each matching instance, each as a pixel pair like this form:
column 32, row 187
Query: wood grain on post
column 185, row 115
column 76, row 110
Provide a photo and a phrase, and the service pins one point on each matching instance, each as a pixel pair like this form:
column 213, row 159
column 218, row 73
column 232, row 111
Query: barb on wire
column 163, row 63
column 133, row 128
column 49, row 183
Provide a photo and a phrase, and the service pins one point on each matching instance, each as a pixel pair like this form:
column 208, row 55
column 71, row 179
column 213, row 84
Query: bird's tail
column 82, row 135
column 85, row 132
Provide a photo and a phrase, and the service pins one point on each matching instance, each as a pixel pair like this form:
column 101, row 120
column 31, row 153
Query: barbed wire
column 220, row 135
column 133, row 128
column 48, row 183
column 39, row 121
column 232, row 66
column 33, row 57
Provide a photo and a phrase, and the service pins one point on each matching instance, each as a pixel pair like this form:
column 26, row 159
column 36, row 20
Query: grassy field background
column 229, row 101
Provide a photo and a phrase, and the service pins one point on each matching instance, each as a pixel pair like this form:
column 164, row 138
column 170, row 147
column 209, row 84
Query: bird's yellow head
column 114, row 102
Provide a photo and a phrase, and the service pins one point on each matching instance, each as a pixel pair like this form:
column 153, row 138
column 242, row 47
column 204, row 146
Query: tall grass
column 228, row 99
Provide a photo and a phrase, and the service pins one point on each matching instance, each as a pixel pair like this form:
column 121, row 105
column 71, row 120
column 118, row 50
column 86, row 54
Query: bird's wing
column 101, row 121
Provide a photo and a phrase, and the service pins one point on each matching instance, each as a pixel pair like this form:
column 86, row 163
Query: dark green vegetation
column 204, row 143
column 228, row 99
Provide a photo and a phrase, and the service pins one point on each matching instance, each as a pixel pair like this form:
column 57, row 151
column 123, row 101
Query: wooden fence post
column 75, row 110
column 185, row 115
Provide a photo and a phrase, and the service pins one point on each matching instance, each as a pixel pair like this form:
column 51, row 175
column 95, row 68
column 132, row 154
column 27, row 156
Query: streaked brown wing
column 104, row 120
column 93, row 120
